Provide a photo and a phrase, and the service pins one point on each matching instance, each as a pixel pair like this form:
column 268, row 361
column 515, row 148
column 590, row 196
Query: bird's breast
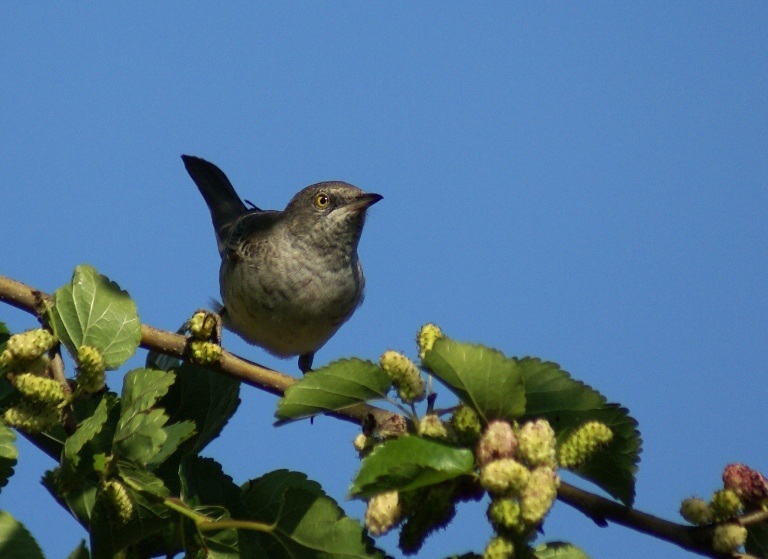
column 286, row 302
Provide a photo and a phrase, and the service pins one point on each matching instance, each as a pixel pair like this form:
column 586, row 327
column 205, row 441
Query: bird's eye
column 322, row 200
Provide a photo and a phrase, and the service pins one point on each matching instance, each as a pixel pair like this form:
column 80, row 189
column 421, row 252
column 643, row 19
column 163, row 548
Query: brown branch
column 29, row 299
column 601, row 510
column 697, row 539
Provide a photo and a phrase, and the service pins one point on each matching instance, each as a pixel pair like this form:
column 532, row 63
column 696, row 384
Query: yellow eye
column 322, row 200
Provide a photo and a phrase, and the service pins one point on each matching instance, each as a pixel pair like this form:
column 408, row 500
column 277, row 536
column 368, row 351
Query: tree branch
column 28, row 299
column 601, row 510
column 697, row 539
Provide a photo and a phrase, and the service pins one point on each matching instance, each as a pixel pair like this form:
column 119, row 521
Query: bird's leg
column 305, row 362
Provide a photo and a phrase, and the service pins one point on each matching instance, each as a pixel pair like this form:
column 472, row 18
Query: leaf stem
column 205, row 524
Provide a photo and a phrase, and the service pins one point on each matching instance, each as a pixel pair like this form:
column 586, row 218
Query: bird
column 288, row 279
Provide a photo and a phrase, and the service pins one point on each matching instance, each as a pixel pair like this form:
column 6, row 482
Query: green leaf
column 305, row 521
column 204, row 397
column 204, row 483
column 8, row 454
column 80, row 552
column 410, row 462
column 175, row 435
column 150, row 516
column 432, row 508
column 92, row 310
column 140, row 435
column 559, row 550
column 92, row 437
column 567, row 403
column 222, row 544
column 483, row 378
column 261, row 496
column 15, row 540
column 757, row 540
column 142, row 388
column 206, row 488
column 78, row 499
column 337, row 386
column 141, row 480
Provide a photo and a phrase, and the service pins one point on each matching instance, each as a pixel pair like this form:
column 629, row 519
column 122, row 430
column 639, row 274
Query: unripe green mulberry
column 119, row 500
column 504, row 476
column 32, row 417
column 91, row 369
column 728, row 538
column 696, row 511
column 497, row 441
column 537, row 444
column 383, row 513
column 405, row 376
column 202, row 325
column 466, row 425
column 539, row 494
column 581, row 443
column 25, row 347
column 42, row 390
column 725, row 504
column 427, row 337
column 506, row 513
column 431, row 426
column 499, row 548
column 205, row 353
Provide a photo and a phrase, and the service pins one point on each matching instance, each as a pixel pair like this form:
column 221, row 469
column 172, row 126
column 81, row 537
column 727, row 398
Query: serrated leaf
column 305, row 521
column 141, row 480
column 8, row 454
column 140, row 435
column 142, row 388
column 204, row 483
column 223, row 544
column 559, row 550
column 175, row 435
column 92, row 310
column 483, row 378
column 435, row 508
column 567, row 403
column 77, row 499
column 80, row 552
column 149, row 516
column 261, row 496
column 410, row 462
column 337, row 386
column 96, row 433
column 206, row 398
column 109, row 534
column 15, row 540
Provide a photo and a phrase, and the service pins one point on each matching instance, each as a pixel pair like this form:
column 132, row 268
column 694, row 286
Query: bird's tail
column 223, row 202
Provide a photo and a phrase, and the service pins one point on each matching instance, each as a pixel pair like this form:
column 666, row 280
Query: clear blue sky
column 586, row 183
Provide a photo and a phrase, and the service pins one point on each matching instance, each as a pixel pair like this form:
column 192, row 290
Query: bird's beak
column 364, row 201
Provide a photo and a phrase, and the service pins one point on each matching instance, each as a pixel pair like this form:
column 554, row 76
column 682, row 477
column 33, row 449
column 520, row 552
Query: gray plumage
column 289, row 279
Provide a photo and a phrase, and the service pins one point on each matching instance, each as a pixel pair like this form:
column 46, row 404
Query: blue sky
column 582, row 182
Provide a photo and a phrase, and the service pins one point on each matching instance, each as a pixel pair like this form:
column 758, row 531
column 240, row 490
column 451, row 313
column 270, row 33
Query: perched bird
column 289, row 279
